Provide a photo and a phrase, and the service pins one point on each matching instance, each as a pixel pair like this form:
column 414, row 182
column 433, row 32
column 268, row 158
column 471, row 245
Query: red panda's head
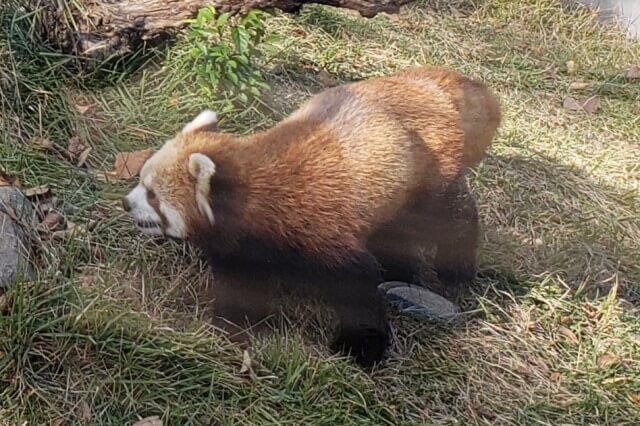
column 174, row 187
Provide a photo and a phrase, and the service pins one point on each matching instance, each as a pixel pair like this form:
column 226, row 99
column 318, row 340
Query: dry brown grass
column 554, row 337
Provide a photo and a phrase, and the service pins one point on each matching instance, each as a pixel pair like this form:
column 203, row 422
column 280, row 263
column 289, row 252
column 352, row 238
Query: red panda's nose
column 125, row 204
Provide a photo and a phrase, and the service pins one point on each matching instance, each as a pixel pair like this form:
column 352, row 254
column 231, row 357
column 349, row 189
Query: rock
column 16, row 214
column 418, row 301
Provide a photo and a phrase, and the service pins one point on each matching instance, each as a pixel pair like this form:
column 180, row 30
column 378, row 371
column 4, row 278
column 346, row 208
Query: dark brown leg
column 363, row 328
column 454, row 228
column 446, row 219
column 244, row 302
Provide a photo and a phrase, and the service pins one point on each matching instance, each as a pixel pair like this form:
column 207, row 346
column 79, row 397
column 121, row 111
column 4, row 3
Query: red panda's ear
column 206, row 120
column 201, row 168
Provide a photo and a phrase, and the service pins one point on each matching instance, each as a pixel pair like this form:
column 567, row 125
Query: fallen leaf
column 607, row 360
column 42, row 143
column 4, row 301
column 129, row 164
column 51, row 222
column 9, row 180
column 555, row 376
column 635, row 398
column 326, row 79
column 84, row 108
column 85, row 411
column 246, row 363
column 569, row 335
column 633, row 73
column 73, row 230
column 571, row 67
column 571, row 104
column 580, row 85
column 82, row 158
column 615, row 381
column 592, row 105
column 75, row 147
column 42, row 191
column 482, row 411
column 566, row 320
column 149, row 421
column 57, row 422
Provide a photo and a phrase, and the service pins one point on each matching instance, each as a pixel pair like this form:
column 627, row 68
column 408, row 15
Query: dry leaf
column 555, row 376
column 42, row 143
column 607, row 360
column 42, row 191
column 635, row 398
column 82, row 158
column 482, row 411
column 4, row 302
column 129, row 164
column 570, row 335
column 149, row 421
column 84, row 108
column 73, row 230
column 75, row 147
column 57, row 422
column 633, row 73
column 615, row 381
column 51, row 222
column 326, row 79
column 571, row 67
column 571, row 104
column 9, row 180
column 84, row 411
column 592, row 105
column 246, row 363
column 580, row 85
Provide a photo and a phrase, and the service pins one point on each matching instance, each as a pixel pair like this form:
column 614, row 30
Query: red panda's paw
column 366, row 345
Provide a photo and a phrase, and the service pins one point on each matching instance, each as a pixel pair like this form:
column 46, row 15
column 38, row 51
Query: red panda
column 346, row 192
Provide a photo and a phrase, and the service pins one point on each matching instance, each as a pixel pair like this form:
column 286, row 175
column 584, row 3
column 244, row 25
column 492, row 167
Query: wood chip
column 41, row 191
column 580, row 85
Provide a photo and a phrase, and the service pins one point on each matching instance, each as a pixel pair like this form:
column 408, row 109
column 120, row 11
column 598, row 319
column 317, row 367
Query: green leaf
column 222, row 20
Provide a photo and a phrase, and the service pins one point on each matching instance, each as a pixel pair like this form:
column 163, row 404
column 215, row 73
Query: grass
column 114, row 327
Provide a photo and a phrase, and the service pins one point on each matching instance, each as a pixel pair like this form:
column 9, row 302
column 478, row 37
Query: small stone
column 418, row 301
column 16, row 214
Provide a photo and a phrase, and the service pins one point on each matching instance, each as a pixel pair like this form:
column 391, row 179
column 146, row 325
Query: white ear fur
column 206, row 118
column 202, row 168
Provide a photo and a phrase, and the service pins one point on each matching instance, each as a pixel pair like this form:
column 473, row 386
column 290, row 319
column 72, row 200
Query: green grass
column 114, row 327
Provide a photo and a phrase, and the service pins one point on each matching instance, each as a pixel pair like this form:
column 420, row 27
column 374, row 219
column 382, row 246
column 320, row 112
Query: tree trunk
column 96, row 29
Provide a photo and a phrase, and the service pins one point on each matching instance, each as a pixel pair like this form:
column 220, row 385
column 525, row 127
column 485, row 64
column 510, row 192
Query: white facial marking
column 146, row 218
column 176, row 226
column 204, row 119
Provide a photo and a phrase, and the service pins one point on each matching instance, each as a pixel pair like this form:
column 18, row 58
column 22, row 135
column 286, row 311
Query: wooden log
column 96, row 29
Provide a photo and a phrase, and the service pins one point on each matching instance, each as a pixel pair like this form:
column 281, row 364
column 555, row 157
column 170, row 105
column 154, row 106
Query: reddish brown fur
column 361, row 176
column 349, row 159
